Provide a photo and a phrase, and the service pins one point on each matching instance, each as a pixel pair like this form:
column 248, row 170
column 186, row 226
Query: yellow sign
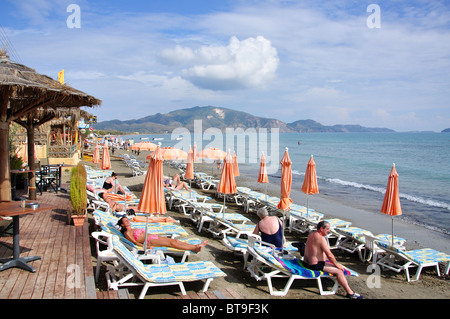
column 61, row 76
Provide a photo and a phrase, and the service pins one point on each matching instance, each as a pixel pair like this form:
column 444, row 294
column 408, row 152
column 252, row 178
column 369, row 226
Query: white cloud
column 250, row 63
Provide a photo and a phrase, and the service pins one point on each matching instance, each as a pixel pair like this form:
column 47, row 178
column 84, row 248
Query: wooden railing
column 61, row 151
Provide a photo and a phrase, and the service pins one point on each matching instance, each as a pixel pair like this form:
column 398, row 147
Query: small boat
column 178, row 138
column 158, row 138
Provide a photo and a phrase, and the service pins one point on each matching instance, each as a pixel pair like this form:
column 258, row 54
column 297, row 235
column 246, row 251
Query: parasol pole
column 145, row 242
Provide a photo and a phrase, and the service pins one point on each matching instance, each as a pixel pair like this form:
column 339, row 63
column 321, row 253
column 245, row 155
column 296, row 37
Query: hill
column 221, row 118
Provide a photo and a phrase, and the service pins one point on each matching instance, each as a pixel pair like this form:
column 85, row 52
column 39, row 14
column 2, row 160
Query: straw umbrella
column 262, row 176
column 391, row 203
column 227, row 183
column 152, row 198
column 310, row 182
column 23, row 91
column 106, row 163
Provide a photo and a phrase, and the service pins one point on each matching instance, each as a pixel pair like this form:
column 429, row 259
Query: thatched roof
column 29, row 90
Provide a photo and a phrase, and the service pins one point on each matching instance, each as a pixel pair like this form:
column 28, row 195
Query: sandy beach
column 391, row 285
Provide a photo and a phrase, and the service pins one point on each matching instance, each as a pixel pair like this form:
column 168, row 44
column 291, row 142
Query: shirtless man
column 317, row 252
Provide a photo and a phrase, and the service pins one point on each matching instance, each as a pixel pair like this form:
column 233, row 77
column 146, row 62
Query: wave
column 412, row 198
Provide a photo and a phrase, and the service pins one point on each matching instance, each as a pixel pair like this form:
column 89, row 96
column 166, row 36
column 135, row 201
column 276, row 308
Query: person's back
column 271, row 231
column 313, row 249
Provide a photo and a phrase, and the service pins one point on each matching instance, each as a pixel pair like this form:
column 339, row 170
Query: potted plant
column 78, row 194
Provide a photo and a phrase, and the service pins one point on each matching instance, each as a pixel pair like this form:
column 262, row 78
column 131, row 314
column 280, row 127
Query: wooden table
column 14, row 209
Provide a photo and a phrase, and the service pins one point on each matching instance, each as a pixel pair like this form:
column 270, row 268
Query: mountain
column 447, row 130
column 221, row 118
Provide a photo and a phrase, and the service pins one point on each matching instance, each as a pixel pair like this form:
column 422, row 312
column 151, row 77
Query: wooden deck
column 65, row 270
column 67, row 264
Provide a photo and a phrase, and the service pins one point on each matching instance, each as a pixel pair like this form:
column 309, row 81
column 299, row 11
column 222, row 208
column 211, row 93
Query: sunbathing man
column 270, row 228
column 316, row 253
column 137, row 236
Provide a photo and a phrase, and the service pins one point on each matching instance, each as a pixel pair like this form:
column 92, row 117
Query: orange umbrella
column 106, row 163
column 152, row 198
column 262, row 176
column 235, row 165
column 144, row 146
column 194, row 150
column 212, row 153
column 189, row 174
column 286, row 182
column 96, row 157
column 310, row 182
column 227, row 184
column 391, row 203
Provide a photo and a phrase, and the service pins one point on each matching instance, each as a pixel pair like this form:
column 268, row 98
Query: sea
column 351, row 167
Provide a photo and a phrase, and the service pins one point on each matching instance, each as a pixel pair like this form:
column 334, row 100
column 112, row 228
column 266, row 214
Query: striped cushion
column 164, row 273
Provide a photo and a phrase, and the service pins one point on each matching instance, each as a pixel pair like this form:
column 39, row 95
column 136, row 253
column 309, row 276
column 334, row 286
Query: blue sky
column 288, row 60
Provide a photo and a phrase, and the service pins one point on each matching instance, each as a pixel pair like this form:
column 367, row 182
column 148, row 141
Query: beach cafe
column 30, row 99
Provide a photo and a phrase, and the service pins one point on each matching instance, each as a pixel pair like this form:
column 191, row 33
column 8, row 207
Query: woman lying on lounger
column 176, row 183
column 137, row 236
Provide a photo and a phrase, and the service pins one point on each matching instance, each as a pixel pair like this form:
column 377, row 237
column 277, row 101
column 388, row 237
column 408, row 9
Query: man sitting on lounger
column 317, row 252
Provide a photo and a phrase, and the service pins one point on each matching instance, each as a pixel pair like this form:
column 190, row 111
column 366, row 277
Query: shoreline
column 417, row 236
column 392, row 285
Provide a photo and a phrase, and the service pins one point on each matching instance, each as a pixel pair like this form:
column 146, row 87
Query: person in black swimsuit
column 269, row 228
column 111, row 182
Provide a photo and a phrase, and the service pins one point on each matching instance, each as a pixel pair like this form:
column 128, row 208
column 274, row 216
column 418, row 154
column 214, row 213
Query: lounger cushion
column 294, row 266
column 163, row 273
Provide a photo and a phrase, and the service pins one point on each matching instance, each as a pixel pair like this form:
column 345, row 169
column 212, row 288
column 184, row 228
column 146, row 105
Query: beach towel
column 116, row 197
column 143, row 219
column 296, row 267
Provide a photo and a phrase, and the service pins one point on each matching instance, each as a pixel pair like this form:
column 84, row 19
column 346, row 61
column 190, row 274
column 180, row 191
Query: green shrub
column 78, row 194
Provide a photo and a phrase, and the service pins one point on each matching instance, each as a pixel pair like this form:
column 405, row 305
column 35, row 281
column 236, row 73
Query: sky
column 376, row 63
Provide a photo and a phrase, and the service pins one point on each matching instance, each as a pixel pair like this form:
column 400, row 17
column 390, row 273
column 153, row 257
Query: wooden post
column 31, row 162
column 5, row 181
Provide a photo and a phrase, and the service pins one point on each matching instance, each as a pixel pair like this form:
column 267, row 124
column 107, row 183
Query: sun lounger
column 155, row 253
column 353, row 239
column 265, row 265
column 240, row 245
column 220, row 220
column 181, row 198
column 398, row 260
column 154, row 275
column 163, row 229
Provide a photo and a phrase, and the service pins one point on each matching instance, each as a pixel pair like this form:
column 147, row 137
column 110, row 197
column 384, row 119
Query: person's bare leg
column 169, row 242
column 340, row 277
